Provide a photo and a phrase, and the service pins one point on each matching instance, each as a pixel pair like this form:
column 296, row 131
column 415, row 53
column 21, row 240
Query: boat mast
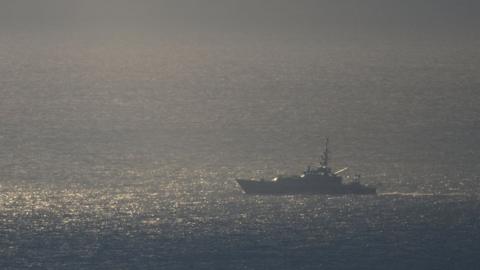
column 324, row 162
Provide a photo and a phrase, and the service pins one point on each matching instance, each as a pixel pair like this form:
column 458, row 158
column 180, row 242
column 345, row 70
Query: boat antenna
column 325, row 154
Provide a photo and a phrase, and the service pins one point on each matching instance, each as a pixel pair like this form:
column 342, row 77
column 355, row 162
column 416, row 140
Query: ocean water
column 205, row 226
column 122, row 154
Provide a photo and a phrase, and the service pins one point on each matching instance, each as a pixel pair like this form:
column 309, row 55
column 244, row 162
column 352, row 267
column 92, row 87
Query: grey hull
column 302, row 187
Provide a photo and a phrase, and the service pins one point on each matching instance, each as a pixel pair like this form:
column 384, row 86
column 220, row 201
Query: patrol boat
column 318, row 180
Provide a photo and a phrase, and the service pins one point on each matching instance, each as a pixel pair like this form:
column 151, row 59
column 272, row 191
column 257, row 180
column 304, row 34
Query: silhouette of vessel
column 319, row 180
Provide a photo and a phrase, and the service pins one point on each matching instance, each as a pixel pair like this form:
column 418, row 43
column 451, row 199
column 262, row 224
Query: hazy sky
column 441, row 18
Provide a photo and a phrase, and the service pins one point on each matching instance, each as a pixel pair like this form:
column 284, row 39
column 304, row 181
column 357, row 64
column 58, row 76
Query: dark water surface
column 171, row 227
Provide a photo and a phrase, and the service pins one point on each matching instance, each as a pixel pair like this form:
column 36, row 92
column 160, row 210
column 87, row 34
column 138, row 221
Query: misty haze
column 124, row 126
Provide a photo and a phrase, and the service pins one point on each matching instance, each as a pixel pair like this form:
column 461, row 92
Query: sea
column 120, row 153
